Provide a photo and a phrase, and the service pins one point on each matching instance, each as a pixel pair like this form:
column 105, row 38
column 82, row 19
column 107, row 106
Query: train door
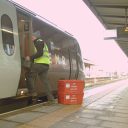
column 10, row 62
column 26, row 45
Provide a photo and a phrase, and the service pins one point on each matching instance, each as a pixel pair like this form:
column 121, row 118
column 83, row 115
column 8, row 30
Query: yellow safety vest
column 45, row 59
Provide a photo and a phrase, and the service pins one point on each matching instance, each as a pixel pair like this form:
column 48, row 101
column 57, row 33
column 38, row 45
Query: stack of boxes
column 70, row 91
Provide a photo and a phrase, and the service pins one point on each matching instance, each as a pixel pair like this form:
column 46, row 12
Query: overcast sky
column 75, row 17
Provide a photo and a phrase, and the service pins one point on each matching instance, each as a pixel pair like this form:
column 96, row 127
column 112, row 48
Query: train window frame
column 7, row 35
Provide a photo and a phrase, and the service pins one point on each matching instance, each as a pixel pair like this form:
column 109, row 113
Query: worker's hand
column 27, row 58
column 33, row 38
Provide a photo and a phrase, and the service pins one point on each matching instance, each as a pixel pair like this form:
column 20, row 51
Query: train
column 16, row 27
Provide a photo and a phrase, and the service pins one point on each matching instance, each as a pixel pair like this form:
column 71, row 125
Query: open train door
column 10, row 63
column 26, row 45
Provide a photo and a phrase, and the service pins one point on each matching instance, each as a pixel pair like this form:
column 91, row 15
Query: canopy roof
column 112, row 14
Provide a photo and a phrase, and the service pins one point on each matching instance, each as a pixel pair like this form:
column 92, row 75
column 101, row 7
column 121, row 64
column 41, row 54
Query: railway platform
column 108, row 109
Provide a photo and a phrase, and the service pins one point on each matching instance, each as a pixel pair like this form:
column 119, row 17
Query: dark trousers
column 42, row 71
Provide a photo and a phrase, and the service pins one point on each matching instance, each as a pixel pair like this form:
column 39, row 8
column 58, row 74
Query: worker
column 40, row 66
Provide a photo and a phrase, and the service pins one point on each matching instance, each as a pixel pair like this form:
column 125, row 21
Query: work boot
column 33, row 98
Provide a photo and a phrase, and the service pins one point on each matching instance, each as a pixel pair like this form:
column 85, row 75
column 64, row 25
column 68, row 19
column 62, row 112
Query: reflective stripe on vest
column 45, row 59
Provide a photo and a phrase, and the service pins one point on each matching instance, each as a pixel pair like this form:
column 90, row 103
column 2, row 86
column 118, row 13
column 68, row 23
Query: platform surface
column 110, row 111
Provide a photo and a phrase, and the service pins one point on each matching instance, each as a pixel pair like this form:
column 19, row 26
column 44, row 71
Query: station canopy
column 113, row 14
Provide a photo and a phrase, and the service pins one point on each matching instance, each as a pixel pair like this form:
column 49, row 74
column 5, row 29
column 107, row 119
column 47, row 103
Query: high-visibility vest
column 45, row 58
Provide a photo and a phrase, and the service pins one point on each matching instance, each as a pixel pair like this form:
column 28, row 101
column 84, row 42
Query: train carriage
column 17, row 25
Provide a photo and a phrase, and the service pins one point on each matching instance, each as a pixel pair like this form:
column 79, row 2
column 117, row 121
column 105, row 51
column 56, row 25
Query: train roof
column 37, row 16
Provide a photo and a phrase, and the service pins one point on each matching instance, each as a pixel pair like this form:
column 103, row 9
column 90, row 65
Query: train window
column 7, row 34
